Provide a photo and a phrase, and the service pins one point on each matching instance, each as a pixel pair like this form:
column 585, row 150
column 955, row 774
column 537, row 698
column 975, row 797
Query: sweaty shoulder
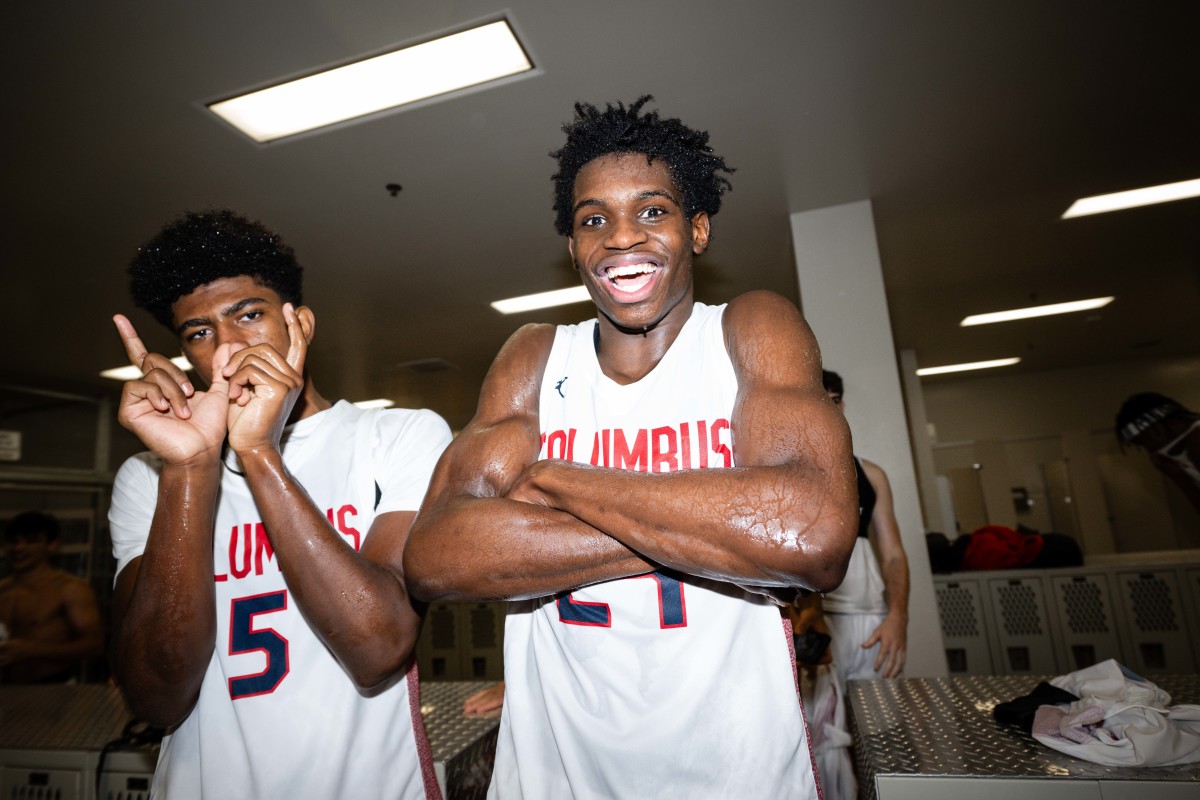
column 515, row 378
column 764, row 328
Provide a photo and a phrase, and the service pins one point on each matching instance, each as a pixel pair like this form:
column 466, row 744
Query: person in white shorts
column 260, row 608
column 641, row 485
column 867, row 615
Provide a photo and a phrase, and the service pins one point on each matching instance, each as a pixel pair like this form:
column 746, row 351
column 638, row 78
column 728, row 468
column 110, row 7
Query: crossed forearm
column 758, row 526
column 490, row 548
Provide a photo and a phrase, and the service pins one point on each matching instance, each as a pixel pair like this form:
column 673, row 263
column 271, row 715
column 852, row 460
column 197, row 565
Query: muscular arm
column 356, row 602
column 472, row 542
column 164, row 618
column 785, row 516
column 892, row 634
column 163, row 604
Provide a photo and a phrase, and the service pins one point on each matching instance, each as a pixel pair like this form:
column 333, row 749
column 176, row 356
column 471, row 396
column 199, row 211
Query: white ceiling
column 971, row 125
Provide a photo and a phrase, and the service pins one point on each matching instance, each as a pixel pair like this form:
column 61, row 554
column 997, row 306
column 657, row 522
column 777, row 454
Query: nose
column 623, row 233
column 231, row 334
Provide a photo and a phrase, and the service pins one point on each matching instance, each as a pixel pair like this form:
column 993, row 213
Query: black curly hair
column 620, row 129
column 201, row 247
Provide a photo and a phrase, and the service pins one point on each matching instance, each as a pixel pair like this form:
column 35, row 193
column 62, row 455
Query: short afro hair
column 620, row 129
column 29, row 525
column 201, row 247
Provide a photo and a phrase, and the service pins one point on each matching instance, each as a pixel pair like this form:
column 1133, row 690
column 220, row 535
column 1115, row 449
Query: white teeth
column 631, row 269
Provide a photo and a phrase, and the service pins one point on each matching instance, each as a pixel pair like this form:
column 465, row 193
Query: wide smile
column 631, row 280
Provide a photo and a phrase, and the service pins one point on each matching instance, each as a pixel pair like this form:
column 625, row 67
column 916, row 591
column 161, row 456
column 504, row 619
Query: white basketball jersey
column 662, row 685
column 277, row 716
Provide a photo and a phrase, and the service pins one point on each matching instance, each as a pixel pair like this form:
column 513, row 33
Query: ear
column 571, row 250
column 308, row 323
column 700, row 232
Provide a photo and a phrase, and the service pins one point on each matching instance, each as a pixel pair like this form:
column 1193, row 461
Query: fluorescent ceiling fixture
column 999, row 362
column 1036, row 311
column 529, row 302
column 132, row 373
column 1133, row 198
column 381, row 402
column 404, row 76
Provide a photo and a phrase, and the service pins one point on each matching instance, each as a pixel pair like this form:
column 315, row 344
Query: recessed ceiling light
column 463, row 59
column 1036, row 311
column 1133, row 198
column 132, row 373
column 529, row 302
column 381, row 402
column 999, row 362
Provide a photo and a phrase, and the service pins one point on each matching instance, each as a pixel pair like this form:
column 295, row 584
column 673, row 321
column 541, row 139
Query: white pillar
column 842, row 293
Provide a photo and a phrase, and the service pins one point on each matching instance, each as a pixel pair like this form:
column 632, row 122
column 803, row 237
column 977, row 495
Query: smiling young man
column 260, row 603
column 640, row 484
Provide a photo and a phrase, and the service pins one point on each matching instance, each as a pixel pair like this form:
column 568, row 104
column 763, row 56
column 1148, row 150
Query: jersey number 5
column 243, row 638
column 672, row 613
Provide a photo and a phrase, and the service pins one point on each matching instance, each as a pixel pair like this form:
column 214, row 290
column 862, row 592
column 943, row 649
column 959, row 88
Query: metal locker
column 1021, row 633
column 1154, row 624
column 1085, row 632
column 483, row 636
column 964, row 630
column 439, row 653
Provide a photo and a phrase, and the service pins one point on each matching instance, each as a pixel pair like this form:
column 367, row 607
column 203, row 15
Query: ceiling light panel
column 454, row 62
column 531, row 302
column 998, row 362
column 381, row 402
column 1133, row 198
column 132, row 373
column 1036, row 311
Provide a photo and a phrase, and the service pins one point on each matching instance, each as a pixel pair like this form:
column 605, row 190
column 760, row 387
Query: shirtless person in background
column 50, row 618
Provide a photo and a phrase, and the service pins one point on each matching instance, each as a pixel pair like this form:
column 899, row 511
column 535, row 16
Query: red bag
column 998, row 547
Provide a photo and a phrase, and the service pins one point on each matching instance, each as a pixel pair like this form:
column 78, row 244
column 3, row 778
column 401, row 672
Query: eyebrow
column 228, row 311
column 595, row 201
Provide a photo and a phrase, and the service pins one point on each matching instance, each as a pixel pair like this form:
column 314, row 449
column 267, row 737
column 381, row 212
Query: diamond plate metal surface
column 465, row 746
column 87, row 717
column 944, row 726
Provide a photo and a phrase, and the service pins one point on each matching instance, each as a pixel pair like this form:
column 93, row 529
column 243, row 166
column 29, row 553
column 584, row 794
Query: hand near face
column 263, row 388
column 163, row 408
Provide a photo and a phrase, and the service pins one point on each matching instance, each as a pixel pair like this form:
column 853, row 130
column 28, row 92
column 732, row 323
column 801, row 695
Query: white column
column 842, row 293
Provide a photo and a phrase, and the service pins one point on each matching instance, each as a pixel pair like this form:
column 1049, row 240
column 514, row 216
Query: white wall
column 842, row 291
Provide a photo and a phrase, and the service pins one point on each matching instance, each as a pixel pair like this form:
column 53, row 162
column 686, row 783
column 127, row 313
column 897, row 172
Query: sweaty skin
column 498, row 523
column 250, row 348
column 892, row 633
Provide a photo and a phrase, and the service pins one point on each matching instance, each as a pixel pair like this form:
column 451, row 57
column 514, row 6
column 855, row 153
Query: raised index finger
column 134, row 348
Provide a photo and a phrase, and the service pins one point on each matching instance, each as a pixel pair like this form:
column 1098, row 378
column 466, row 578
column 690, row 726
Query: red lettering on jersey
column 561, row 444
column 702, row 442
column 262, row 546
column 634, row 458
column 664, row 453
column 718, row 446
column 685, row 444
column 604, row 436
column 542, row 441
column 247, row 541
column 595, row 459
column 343, row 525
